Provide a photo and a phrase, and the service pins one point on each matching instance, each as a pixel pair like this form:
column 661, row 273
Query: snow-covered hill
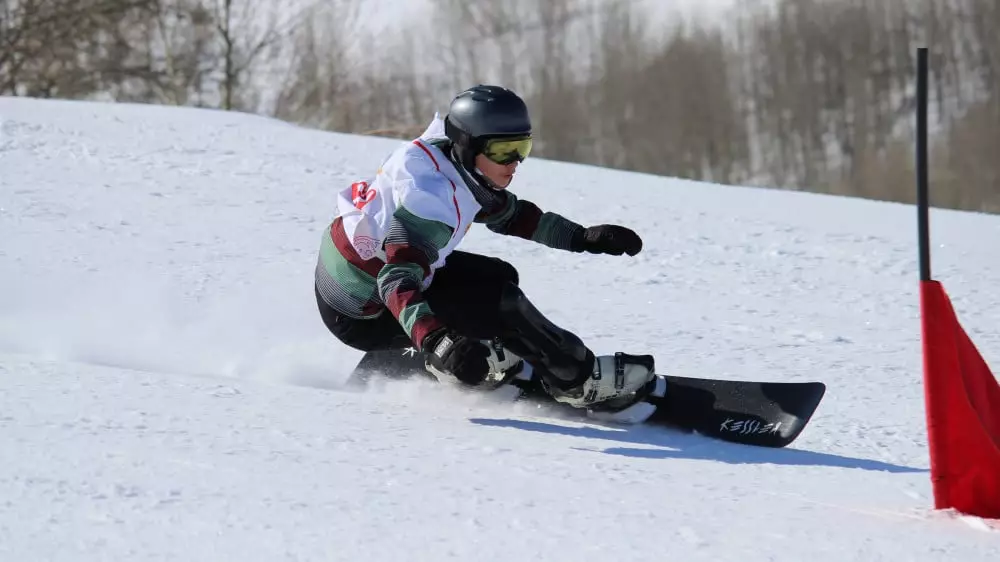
column 168, row 392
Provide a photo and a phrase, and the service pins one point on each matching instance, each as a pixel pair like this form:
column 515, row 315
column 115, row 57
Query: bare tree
column 176, row 45
column 615, row 72
column 562, row 114
column 246, row 33
column 63, row 48
column 804, row 94
column 683, row 116
column 482, row 41
column 322, row 85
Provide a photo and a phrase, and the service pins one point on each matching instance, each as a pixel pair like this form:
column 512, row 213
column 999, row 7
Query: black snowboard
column 767, row 414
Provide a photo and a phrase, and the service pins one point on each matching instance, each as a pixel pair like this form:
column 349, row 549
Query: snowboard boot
column 616, row 382
column 568, row 371
column 631, row 411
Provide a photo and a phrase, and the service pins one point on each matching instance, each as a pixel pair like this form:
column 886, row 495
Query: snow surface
column 168, row 392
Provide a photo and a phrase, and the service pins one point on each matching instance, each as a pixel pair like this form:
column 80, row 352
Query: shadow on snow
column 677, row 444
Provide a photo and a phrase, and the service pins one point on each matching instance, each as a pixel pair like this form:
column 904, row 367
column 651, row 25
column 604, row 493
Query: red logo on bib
column 362, row 194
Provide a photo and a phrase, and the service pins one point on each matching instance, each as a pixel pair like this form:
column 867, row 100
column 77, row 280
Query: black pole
column 923, row 226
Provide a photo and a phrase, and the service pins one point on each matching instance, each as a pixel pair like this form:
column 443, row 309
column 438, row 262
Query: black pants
column 464, row 295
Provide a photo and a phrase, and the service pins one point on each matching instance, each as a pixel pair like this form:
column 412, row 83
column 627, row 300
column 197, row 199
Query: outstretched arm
column 522, row 218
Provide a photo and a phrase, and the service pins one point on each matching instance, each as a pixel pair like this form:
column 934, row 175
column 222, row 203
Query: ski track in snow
column 167, row 390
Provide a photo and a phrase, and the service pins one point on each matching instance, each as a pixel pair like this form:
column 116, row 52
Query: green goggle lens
column 505, row 151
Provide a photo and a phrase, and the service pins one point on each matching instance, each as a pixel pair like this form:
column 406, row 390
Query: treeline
column 804, row 94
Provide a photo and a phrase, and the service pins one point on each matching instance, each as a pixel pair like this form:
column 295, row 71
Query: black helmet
column 483, row 112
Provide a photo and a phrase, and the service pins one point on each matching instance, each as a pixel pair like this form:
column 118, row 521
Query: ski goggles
column 506, row 150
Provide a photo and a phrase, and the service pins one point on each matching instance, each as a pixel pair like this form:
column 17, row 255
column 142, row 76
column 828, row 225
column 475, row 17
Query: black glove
column 465, row 358
column 607, row 239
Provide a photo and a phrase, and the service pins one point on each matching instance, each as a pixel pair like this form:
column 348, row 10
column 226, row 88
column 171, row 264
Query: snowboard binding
column 504, row 367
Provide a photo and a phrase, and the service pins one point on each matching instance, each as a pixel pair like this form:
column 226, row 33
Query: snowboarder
column 389, row 275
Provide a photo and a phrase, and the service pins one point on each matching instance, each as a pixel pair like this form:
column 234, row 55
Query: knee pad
column 533, row 336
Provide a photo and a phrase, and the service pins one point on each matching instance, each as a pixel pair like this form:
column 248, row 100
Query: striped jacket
column 390, row 234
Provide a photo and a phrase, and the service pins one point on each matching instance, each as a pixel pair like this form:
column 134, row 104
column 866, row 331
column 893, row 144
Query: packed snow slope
column 168, row 392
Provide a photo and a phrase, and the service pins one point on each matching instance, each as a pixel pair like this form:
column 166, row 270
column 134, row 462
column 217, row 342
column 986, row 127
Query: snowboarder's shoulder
column 426, row 161
column 416, row 182
column 422, row 154
column 429, row 148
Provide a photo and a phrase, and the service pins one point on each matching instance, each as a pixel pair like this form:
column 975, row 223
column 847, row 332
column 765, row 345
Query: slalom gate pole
column 923, row 204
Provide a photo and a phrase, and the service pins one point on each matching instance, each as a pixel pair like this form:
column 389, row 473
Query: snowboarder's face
column 499, row 174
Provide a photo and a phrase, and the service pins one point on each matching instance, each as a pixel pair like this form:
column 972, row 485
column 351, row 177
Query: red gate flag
column 962, row 399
